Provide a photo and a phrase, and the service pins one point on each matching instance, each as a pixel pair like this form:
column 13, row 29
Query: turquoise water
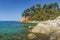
column 9, row 26
column 12, row 30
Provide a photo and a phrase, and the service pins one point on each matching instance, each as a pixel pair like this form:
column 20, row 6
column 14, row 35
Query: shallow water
column 9, row 26
column 12, row 30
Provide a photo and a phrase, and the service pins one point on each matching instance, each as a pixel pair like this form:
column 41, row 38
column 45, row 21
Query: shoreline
column 28, row 22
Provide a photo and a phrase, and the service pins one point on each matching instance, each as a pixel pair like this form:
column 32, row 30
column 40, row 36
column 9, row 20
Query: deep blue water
column 10, row 26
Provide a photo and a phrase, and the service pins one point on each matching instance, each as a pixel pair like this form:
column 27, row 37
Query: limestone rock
column 47, row 26
column 32, row 36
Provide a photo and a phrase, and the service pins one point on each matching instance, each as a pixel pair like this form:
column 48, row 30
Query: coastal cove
column 29, row 19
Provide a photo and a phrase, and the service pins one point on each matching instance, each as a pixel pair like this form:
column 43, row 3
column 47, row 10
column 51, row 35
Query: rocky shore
column 25, row 20
column 44, row 30
column 51, row 29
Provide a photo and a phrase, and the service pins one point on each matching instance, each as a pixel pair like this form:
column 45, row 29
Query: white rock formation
column 47, row 26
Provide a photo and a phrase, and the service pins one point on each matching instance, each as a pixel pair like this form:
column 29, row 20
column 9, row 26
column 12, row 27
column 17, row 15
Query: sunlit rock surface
column 47, row 26
column 23, row 19
column 46, row 30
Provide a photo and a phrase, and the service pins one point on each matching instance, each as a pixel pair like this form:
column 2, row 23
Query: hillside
column 40, row 12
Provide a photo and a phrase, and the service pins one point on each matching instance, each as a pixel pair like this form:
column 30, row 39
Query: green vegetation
column 38, row 12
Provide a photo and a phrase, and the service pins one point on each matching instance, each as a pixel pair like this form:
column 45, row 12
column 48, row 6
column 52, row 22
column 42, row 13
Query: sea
column 13, row 30
column 10, row 26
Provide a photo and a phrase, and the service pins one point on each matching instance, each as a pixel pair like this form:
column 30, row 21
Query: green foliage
column 38, row 13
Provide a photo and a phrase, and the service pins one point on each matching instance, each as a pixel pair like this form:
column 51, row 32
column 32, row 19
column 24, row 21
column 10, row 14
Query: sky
column 11, row 10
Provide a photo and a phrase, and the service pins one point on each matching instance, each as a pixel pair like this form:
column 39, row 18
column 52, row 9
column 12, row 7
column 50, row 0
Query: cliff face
column 23, row 19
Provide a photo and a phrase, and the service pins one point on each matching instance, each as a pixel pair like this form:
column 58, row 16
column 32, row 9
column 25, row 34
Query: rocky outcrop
column 47, row 26
column 23, row 19
column 51, row 28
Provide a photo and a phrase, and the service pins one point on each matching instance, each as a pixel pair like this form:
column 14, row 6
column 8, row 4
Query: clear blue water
column 10, row 26
column 12, row 30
